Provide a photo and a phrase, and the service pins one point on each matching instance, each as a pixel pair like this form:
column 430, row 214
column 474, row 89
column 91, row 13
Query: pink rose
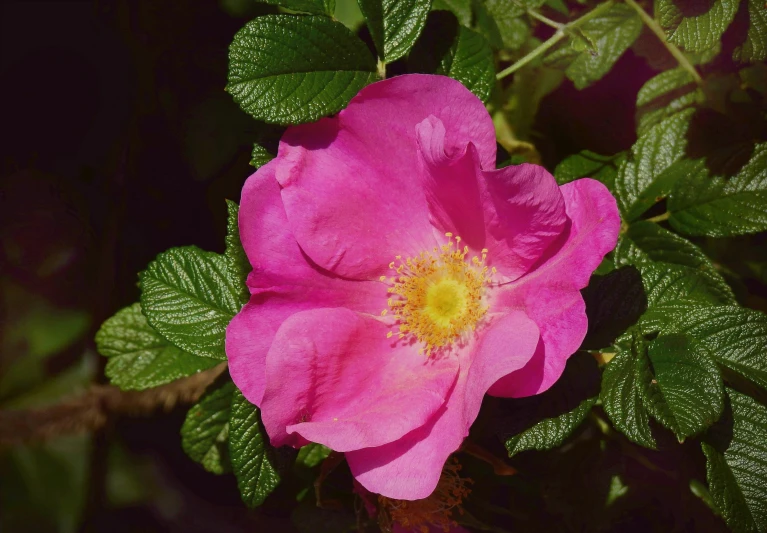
column 397, row 277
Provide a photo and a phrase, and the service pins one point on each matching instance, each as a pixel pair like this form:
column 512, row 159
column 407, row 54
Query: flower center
column 438, row 295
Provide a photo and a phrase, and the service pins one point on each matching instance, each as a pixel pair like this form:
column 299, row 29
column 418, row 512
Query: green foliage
column 289, row 69
column 316, row 7
column 189, row 297
column 260, row 156
column 754, row 47
column 394, row 24
column 236, row 261
column 502, row 23
column 664, row 95
column 587, row 164
column 139, row 357
column 252, row 457
column 666, row 282
column 736, row 454
column 720, row 205
column 452, row 50
column 700, row 31
column 312, row 454
column 205, row 433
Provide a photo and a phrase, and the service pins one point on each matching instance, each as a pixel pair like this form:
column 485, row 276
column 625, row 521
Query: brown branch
column 92, row 409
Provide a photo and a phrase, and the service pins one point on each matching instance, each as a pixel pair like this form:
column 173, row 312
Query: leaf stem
column 658, row 31
column 560, row 34
column 381, row 67
column 660, row 218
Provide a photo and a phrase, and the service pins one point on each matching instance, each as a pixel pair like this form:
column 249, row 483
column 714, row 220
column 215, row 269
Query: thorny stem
column 658, row 31
column 560, row 34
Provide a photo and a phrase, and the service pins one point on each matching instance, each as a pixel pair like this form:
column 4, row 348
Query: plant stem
column 381, row 67
column 658, row 31
column 560, row 34
column 660, row 218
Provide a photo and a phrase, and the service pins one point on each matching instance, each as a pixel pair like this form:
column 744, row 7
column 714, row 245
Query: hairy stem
column 658, row 31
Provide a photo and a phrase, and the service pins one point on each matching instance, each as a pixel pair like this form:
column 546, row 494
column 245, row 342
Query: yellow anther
column 382, row 278
column 389, row 335
column 383, row 313
column 448, row 234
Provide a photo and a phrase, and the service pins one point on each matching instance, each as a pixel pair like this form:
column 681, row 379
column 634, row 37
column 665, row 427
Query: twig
column 91, row 410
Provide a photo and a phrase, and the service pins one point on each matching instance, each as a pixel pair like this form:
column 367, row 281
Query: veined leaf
column 289, row 69
column 698, row 32
column 236, row 260
column 251, row 455
column 139, row 358
column 587, row 164
column 316, row 7
column 205, row 432
column 260, row 156
column 664, row 95
column 189, row 297
column 666, row 282
column 312, row 454
column 503, row 23
column 754, row 48
column 394, row 24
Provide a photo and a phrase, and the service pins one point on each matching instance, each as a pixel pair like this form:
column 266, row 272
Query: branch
column 91, row 410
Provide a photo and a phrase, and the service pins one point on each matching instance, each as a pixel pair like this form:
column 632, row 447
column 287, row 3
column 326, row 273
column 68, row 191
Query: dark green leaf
column 666, row 282
column 290, row 69
column 754, row 48
column 680, row 384
column 452, row 50
column 316, row 7
column 620, row 394
column 236, row 260
column 205, row 432
column 664, row 95
column 312, row 454
column 503, row 23
column 655, row 151
column 189, row 297
column 587, row 164
column 139, row 358
column 543, row 422
column 736, row 456
column 260, row 156
column 699, row 31
column 394, row 24
column 721, row 206
column 460, row 8
column 252, row 457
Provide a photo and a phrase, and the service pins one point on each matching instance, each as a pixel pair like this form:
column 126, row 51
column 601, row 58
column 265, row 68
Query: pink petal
column 409, row 468
column 333, row 377
column 350, row 184
column 550, row 293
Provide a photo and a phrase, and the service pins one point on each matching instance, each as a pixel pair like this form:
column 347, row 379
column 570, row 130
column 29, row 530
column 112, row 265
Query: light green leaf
column 260, row 156
column 503, row 22
column 620, row 394
column 754, row 48
column 189, row 297
column 655, row 151
column 252, row 458
column 316, row 7
column 721, row 206
column 664, row 95
column 735, row 336
column 289, row 69
column 698, row 32
column 608, row 34
column 450, row 49
column 394, row 24
column 587, row 164
column 312, row 454
column 645, row 242
column 139, row 358
column 680, row 385
column 736, row 455
column 205, row 432
column 236, row 260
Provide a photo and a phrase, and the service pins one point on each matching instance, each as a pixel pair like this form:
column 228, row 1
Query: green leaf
column 460, row 8
column 289, row 69
column 721, row 206
column 735, row 336
column 205, row 432
column 754, row 48
column 655, row 151
column 139, row 358
column 608, row 34
column 646, row 242
column 252, row 456
column 664, row 95
column 620, row 394
column 544, row 421
column 315, row 7
column 503, row 23
column 699, row 31
column 189, row 297
column 736, row 455
column 680, row 385
column 236, row 260
column 587, row 164
column 666, row 282
column 260, row 156
column 312, row 454
column 394, row 24
column 452, row 50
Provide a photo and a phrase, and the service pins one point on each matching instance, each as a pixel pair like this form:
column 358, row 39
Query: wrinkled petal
column 550, row 293
column 350, row 186
column 250, row 333
column 333, row 377
column 516, row 212
column 409, row 468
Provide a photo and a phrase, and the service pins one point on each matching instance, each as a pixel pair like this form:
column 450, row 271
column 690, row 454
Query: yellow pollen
column 436, row 297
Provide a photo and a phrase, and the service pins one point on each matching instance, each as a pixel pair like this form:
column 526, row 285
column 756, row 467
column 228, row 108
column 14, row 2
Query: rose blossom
column 398, row 277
